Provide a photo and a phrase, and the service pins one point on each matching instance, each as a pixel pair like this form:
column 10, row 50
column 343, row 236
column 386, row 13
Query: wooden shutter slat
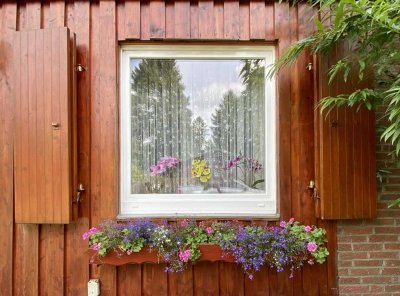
column 44, row 155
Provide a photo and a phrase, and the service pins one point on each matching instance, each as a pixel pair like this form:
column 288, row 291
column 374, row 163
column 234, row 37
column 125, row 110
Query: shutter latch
column 313, row 189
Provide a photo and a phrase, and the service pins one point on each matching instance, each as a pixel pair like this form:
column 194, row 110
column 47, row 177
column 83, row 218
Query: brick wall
column 369, row 250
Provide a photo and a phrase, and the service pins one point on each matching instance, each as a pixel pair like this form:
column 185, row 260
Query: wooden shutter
column 45, row 123
column 345, row 151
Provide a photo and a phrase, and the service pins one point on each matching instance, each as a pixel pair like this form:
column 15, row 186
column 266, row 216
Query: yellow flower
column 206, row 171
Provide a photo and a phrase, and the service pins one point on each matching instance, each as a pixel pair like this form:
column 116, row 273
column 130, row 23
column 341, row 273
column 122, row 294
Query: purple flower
column 307, row 228
column 312, row 247
column 164, row 163
column 85, row 236
column 184, row 255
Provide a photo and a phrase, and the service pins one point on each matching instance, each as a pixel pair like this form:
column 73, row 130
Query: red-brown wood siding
column 51, row 259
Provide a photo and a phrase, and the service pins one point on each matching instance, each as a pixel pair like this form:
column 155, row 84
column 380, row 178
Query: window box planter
column 117, row 258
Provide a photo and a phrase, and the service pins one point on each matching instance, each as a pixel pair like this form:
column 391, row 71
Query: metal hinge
column 313, row 189
column 80, row 68
column 309, row 66
column 81, row 189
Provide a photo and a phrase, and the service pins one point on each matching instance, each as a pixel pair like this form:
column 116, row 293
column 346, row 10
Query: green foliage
column 371, row 32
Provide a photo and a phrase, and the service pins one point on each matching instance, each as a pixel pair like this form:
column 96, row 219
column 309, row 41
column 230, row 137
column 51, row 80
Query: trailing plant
column 289, row 245
column 371, row 31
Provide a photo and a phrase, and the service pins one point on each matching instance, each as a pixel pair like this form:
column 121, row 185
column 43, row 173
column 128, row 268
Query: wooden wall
column 50, row 259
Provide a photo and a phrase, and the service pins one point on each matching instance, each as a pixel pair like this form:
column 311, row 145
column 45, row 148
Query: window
column 197, row 131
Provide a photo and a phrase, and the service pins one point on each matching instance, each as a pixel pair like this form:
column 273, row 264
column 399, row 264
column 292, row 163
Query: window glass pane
column 197, row 126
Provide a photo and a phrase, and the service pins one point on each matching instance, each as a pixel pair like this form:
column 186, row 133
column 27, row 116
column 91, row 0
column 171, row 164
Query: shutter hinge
column 313, row 189
column 79, row 193
column 309, row 66
column 80, row 68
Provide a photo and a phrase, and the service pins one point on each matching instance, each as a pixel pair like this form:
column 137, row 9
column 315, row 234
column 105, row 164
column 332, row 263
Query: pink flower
column 95, row 247
column 129, row 252
column 184, row 255
column 282, row 224
column 184, row 222
column 85, row 236
column 312, row 247
column 209, row 230
column 92, row 230
column 291, row 220
column 307, row 228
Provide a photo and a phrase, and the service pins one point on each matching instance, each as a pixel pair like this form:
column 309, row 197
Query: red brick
column 349, row 280
column 365, row 263
column 352, row 239
column 357, row 230
column 353, row 289
column 381, row 221
column 343, row 263
column 383, row 255
column 392, row 262
column 344, row 247
column 392, row 246
column 377, row 280
column 376, row 288
column 388, row 229
column 391, row 271
column 367, row 247
column 392, row 288
column 365, row 271
column 353, row 255
column 383, row 238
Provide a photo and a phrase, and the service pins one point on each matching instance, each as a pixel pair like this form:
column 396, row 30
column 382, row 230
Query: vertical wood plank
column 154, row 280
column 106, row 122
column 257, row 20
column 52, row 236
column 244, row 17
column 76, row 266
column 231, row 20
column 269, row 21
column 206, row 279
column 206, row 19
column 194, row 20
column 57, row 14
column 259, row 285
column 157, row 19
column 40, row 139
column 182, row 19
column 145, row 20
column 121, row 20
column 170, row 19
column 26, row 236
column 132, row 19
column 218, row 19
column 283, row 15
column 129, row 280
column 8, row 22
column 181, row 283
column 231, row 279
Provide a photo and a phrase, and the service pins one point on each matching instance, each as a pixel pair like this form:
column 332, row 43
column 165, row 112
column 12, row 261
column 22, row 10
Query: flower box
column 208, row 253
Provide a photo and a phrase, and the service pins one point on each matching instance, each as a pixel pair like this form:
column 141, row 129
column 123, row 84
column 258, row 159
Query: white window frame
column 244, row 205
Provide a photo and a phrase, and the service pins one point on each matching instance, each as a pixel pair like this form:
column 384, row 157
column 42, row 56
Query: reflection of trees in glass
column 199, row 137
column 162, row 122
column 161, row 119
column 238, row 122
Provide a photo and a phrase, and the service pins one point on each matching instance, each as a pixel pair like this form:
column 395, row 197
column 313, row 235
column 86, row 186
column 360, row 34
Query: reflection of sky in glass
column 206, row 81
